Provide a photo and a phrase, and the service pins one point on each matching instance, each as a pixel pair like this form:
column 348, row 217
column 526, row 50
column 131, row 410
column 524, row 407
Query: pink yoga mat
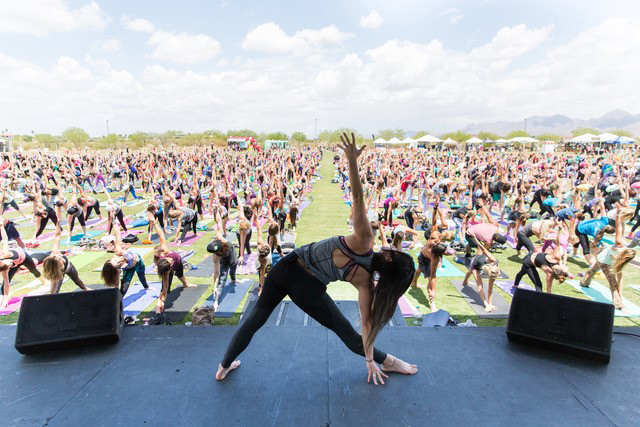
column 103, row 227
column 250, row 264
column 189, row 239
column 14, row 304
column 405, row 307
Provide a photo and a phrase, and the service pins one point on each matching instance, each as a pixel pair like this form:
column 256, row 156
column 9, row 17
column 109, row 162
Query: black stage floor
column 301, row 376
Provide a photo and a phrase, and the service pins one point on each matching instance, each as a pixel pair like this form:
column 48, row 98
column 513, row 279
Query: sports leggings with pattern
column 288, row 277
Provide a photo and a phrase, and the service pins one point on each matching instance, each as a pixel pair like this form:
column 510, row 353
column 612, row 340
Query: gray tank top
column 318, row 258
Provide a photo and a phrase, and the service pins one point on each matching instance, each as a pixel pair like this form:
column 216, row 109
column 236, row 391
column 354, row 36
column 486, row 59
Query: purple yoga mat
column 507, row 286
column 190, row 239
column 249, row 266
column 405, row 307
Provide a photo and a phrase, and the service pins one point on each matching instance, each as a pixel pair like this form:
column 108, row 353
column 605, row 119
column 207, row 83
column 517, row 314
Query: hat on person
column 214, row 246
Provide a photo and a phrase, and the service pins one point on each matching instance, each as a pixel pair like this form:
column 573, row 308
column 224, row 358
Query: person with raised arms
column 304, row 274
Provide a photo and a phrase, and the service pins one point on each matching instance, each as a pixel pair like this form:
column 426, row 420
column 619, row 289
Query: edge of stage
column 293, row 375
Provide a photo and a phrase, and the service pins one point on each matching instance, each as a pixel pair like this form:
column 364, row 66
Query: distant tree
column 216, row 135
column 299, row 136
column 488, row 135
column 278, row 136
column 333, row 137
column 139, row 139
column 582, row 131
column 420, row 133
column 168, row 137
column 549, row 137
column 622, row 132
column 456, row 136
column 76, row 136
column 516, row 133
column 391, row 133
column 47, row 140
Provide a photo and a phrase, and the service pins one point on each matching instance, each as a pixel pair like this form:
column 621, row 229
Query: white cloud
column 270, row 38
column 453, row 14
column 138, row 24
column 399, row 83
column 184, row 48
column 109, row 46
column 42, row 17
column 372, row 21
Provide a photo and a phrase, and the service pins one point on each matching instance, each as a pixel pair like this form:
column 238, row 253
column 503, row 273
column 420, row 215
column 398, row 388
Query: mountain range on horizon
column 561, row 124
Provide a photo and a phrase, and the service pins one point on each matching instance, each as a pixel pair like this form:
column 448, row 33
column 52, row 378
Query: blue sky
column 277, row 65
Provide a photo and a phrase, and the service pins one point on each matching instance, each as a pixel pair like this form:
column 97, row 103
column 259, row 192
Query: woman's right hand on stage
column 375, row 373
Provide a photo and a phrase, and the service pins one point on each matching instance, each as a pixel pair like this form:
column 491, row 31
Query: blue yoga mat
column 140, row 222
column 90, row 234
column 448, row 269
column 600, row 293
column 139, row 298
column 230, row 298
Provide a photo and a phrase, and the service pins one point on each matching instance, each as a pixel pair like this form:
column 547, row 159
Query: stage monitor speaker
column 52, row 322
column 571, row 325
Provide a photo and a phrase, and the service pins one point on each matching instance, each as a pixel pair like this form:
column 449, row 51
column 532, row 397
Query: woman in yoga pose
column 304, row 274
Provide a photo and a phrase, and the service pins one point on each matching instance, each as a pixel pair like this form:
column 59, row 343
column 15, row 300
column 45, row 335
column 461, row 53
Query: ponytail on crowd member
column 560, row 272
column 622, row 259
column 394, row 279
column 492, row 270
column 164, row 267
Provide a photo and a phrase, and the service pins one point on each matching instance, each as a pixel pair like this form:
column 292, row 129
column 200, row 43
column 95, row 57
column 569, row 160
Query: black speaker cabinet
column 52, row 322
column 571, row 325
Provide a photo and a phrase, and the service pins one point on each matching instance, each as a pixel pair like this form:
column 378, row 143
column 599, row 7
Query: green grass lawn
column 327, row 216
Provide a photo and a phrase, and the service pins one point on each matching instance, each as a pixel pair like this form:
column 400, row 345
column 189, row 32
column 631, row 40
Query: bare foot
column 393, row 364
column 186, row 285
column 222, row 372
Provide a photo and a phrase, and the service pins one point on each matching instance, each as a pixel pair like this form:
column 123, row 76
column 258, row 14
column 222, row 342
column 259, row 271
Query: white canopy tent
column 429, row 139
column 501, row 141
column 450, row 141
column 394, row 140
column 411, row 142
column 608, row 137
column 584, row 138
column 525, row 139
column 474, row 140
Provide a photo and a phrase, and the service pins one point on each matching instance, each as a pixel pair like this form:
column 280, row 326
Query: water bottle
column 417, row 316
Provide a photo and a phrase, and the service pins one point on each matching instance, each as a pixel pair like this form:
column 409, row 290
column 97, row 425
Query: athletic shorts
column 471, row 240
column 424, row 264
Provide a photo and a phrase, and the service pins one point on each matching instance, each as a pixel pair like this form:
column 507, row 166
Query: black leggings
column 193, row 224
column 530, row 270
column 29, row 263
column 584, row 242
column 80, row 220
column 51, row 215
column 288, row 277
column 523, row 240
column 247, row 242
column 95, row 207
column 120, row 217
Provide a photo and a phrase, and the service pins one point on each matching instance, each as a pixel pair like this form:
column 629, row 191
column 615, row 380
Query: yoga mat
column 138, row 298
column 230, row 297
column 600, row 293
column 104, row 226
column 288, row 237
column 466, row 261
column 16, row 300
column 636, row 287
column 205, row 269
column 472, row 297
column 405, row 307
column 82, row 260
column 134, row 202
column 95, row 222
column 181, row 300
column 156, row 240
column 151, row 269
column 447, row 269
column 507, row 286
column 76, row 237
column 189, row 240
column 249, row 266
column 140, row 222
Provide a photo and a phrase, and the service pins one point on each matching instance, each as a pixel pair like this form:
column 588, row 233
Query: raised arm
column 362, row 235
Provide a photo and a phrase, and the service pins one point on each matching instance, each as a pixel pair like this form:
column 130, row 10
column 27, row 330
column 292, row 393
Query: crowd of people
column 415, row 207
column 242, row 190
column 473, row 203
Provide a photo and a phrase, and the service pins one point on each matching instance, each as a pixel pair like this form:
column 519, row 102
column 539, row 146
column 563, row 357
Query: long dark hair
column 394, row 279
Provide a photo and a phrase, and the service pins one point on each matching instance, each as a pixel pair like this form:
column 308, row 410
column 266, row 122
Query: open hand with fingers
column 349, row 146
column 375, row 373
